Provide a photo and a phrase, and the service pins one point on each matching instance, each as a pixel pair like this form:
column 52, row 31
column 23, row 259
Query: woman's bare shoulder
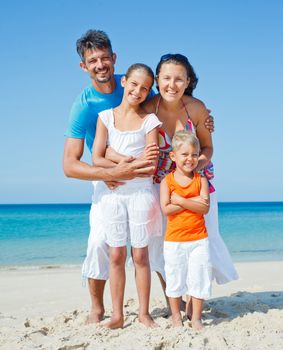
column 150, row 105
column 194, row 103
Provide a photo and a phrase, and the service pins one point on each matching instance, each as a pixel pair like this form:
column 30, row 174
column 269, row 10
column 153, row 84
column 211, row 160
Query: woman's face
column 172, row 81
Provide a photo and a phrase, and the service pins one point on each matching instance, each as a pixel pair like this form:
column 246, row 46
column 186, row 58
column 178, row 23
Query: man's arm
column 75, row 168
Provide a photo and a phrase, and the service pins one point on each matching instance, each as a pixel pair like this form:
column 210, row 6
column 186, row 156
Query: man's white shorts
column 96, row 263
column 187, row 269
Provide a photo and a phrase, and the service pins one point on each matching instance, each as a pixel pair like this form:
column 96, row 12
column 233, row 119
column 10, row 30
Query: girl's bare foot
column 147, row 321
column 115, row 322
column 197, row 325
column 94, row 316
column 177, row 321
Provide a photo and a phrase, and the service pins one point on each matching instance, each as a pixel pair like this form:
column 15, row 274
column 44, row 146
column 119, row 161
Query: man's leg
column 96, row 290
column 96, row 266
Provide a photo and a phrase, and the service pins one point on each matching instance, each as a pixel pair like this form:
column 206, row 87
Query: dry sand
column 45, row 308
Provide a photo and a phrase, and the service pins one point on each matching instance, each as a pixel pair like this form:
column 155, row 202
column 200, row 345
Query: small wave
column 257, row 251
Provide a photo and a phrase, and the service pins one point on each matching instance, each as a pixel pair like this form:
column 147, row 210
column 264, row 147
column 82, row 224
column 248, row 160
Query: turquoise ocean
column 56, row 234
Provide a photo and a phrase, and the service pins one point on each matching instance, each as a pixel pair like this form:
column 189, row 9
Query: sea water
column 56, row 234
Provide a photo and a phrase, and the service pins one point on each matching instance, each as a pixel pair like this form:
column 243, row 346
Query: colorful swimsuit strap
column 157, row 105
column 189, row 124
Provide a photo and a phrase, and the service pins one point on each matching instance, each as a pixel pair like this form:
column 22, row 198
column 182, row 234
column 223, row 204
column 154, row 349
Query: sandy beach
column 46, row 308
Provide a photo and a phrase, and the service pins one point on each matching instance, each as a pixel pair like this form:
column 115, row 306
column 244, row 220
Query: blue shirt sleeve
column 78, row 119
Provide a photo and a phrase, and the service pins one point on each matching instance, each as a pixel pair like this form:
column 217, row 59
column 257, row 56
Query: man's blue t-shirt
column 85, row 109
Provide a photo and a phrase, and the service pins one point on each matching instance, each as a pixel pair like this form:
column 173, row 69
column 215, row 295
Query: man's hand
column 128, row 169
column 112, row 185
column 209, row 123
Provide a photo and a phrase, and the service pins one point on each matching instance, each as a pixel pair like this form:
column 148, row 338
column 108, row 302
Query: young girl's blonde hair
column 184, row 136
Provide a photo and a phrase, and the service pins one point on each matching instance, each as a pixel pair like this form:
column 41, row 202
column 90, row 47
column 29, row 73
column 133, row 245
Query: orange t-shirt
column 186, row 225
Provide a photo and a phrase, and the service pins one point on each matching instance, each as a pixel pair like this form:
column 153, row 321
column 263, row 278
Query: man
column 105, row 91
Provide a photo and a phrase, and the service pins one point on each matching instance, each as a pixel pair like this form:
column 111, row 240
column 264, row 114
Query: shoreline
column 79, row 265
column 47, row 307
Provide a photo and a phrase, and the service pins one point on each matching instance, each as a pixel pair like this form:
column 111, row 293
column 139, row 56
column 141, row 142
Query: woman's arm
column 205, row 140
column 99, row 146
column 199, row 115
column 199, row 204
column 166, row 206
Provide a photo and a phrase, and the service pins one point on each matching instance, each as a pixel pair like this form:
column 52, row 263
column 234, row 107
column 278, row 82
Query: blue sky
column 235, row 47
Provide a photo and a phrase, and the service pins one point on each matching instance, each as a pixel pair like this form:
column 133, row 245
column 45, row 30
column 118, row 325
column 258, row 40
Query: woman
column 177, row 109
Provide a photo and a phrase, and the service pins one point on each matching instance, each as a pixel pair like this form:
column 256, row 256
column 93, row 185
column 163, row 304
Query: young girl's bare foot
column 115, row 322
column 147, row 321
column 197, row 325
column 95, row 316
column 177, row 321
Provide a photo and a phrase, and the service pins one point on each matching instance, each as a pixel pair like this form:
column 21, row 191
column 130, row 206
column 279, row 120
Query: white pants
column 187, row 269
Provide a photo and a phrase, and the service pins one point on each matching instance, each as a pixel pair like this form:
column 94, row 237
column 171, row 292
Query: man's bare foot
column 177, row 321
column 197, row 325
column 95, row 316
column 147, row 321
column 115, row 322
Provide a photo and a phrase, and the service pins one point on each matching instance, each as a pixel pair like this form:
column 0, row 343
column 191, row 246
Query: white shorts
column 187, row 269
column 129, row 213
column 96, row 263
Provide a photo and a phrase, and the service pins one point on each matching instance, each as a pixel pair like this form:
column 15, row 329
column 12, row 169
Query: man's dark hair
column 93, row 39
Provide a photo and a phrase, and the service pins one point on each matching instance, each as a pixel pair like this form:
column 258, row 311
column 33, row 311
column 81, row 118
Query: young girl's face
column 137, row 86
column 172, row 81
column 186, row 158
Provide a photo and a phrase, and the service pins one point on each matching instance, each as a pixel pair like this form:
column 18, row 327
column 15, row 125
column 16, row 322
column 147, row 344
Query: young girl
column 184, row 197
column 130, row 211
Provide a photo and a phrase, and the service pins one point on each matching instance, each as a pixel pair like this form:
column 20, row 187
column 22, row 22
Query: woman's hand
column 202, row 163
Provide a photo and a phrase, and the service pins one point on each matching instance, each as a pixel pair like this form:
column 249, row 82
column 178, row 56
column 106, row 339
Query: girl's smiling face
column 137, row 86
